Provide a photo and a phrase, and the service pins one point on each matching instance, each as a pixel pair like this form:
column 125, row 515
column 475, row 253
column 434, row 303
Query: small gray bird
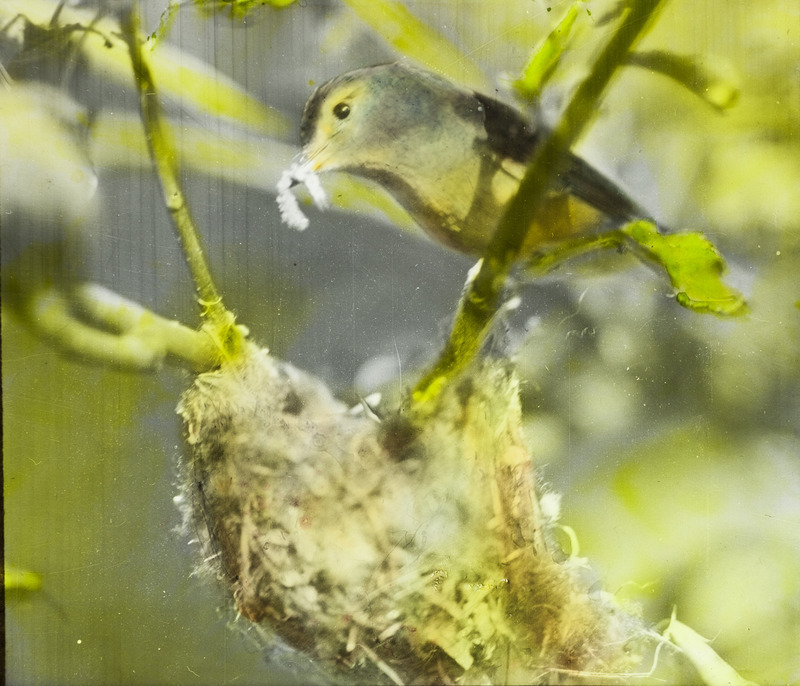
column 450, row 156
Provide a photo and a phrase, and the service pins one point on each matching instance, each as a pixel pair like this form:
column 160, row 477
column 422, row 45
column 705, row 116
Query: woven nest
column 409, row 549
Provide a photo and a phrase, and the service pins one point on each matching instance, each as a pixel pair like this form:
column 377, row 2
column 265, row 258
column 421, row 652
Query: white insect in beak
column 298, row 173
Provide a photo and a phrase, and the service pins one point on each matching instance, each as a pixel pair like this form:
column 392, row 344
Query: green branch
column 219, row 321
column 482, row 297
column 95, row 324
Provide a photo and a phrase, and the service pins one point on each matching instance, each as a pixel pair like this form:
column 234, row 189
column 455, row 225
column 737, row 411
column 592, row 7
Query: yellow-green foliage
column 673, row 437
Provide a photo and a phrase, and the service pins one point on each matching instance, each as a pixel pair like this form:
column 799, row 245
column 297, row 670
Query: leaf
column 239, row 9
column 414, row 38
column 694, row 267
column 178, row 74
column 117, row 140
column 705, row 82
column 47, row 173
column 545, row 57
column 713, row 670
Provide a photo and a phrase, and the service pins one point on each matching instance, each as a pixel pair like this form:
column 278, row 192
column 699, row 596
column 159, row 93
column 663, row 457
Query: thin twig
column 162, row 150
column 219, row 321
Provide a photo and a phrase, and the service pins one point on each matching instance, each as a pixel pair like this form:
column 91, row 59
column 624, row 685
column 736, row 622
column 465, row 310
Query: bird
column 452, row 157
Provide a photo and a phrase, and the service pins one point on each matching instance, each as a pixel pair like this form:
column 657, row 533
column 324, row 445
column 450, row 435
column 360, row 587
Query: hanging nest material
column 407, row 550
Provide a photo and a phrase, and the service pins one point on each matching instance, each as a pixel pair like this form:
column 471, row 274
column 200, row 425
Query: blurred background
column 673, row 437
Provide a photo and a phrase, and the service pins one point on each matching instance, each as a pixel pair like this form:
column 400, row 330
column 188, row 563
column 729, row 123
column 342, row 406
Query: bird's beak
column 317, row 156
column 314, row 162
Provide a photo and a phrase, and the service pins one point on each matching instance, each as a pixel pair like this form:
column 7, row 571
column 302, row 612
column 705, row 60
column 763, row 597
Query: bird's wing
column 512, row 137
column 592, row 187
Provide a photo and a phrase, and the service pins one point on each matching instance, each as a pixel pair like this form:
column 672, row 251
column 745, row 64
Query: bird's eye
column 341, row 110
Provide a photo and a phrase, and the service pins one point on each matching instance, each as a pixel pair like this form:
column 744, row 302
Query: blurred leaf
column 714, row 89
column 712, row 668
column 179, row 75
column 240, row 8
column 165, row 22
column 48, row 174
column 16, row 579
column 545, row 57
column 117, row 140
column 395, row 23
column 694, row 267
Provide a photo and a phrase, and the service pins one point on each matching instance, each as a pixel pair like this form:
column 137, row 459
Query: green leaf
column 412, row 37
column 545, row 57
column 180, row 76
column 713, row 670
column 694, row 266
column 704, row 80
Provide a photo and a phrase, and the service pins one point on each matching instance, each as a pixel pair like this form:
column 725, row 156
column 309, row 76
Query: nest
column 410, row 549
